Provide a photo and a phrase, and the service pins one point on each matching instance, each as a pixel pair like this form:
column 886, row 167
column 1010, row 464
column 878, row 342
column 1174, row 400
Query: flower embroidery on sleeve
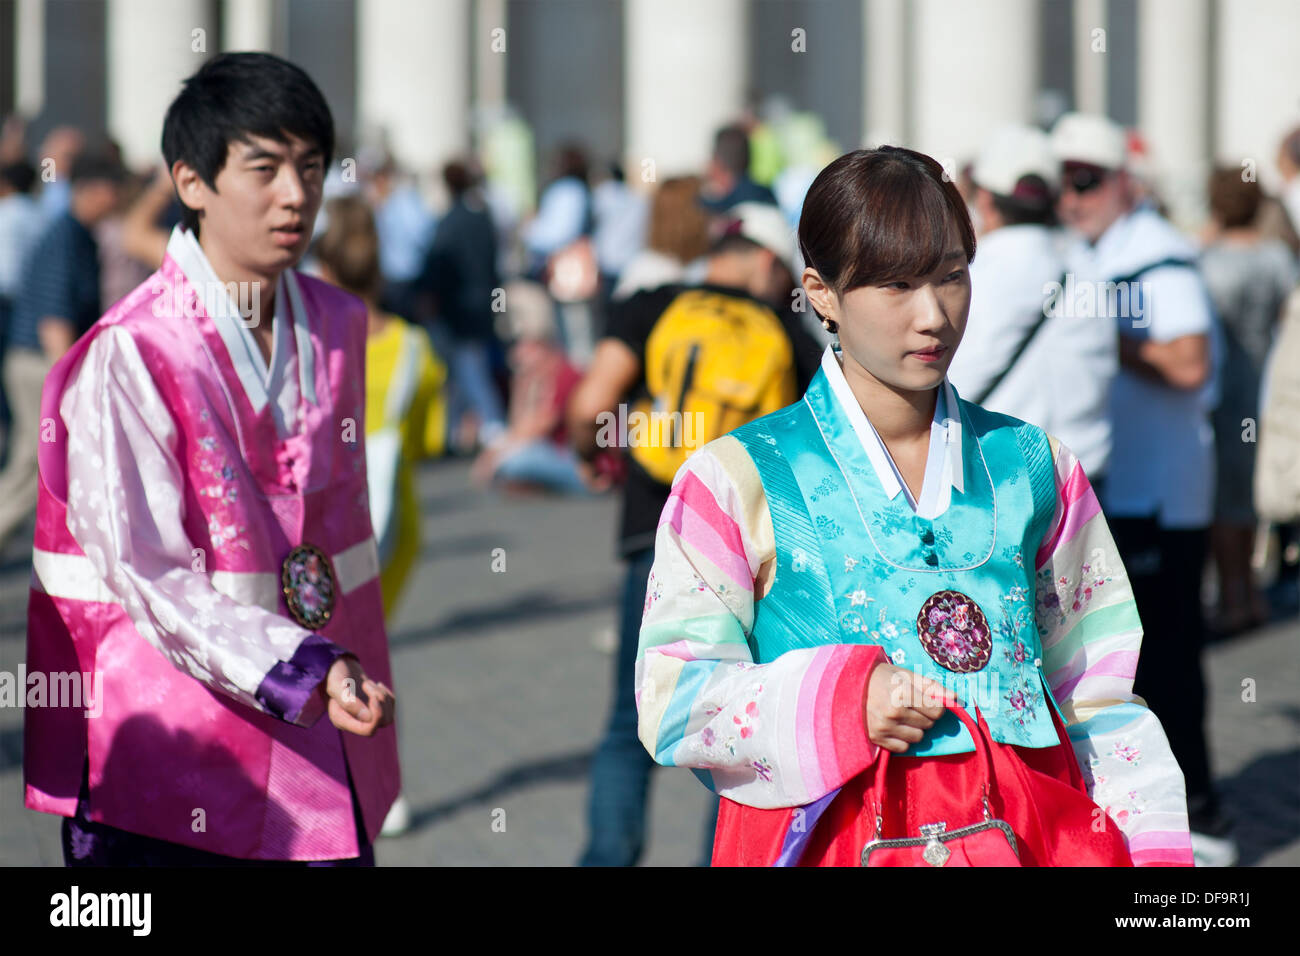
column 223, row 523
column 1062, row 597
column 654, row 591
column 746, row 719
column 1126, row 752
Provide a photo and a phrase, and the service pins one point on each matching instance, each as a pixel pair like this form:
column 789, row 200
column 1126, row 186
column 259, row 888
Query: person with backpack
column 679, row 365
column 1159, row 491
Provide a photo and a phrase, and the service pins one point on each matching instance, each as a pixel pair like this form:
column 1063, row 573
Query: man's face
column 259, row 219
column 1092, row 198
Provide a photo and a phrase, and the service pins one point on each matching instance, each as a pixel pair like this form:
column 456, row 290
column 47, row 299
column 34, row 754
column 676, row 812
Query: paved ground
column 504, row 681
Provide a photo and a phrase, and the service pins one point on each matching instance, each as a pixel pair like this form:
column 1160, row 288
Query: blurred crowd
column 489, row 310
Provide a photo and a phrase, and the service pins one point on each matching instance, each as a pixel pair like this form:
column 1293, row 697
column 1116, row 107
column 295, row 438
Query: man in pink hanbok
column 204, row 559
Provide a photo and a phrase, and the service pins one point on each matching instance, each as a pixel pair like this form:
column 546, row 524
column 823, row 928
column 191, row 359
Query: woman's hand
column 900, row 706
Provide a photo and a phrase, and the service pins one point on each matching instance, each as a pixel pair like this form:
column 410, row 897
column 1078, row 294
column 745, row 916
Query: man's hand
column 356, row 703
column 900, row 706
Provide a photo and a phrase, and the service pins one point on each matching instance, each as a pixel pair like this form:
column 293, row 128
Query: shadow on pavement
column 561, row 768
column 1263, row 802
column 535, row 606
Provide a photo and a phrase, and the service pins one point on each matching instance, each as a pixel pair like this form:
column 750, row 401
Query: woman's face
column 902, row 333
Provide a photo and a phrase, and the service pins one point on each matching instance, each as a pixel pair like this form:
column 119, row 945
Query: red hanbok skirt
column 1040, row 792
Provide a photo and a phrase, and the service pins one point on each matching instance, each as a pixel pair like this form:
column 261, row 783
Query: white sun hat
column 1011, row 153
column 1088, row 138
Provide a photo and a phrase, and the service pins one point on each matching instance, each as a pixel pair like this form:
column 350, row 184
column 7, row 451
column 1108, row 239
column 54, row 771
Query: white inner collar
column 250, row 367
column 943, row 466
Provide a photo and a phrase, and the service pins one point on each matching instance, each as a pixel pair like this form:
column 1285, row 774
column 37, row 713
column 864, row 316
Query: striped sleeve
column 777, row 734
column 1091, row 638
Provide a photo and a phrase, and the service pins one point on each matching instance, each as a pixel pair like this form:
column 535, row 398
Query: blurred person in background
column 20, row 228
column 54, row 160
column 564, row 210
column 405, row 411
column 1277, row 465
column 148, row 221
column 535, row 450
column 1249, row 278
column 460, row 279
column 13, row 139
column 405, row 226
column 727, row 182
column 119, row 270
column 678, row 235
column 620, row 215
column 718, row 354
column 1022, row 354
column 1288, row 164
column 58, row 300
column 1159, row 491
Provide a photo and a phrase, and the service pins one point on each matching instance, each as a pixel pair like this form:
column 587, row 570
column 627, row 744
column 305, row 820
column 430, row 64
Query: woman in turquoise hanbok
column 828, row 579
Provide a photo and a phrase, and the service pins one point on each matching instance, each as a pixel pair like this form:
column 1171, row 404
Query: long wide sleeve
column 777, row 734
column 125, row 509
column 1091, row 637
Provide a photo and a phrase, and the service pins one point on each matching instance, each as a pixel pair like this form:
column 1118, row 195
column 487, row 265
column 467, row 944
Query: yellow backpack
column 712, row 363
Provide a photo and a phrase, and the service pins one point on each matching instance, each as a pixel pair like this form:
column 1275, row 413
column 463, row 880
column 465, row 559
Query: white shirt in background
column 1062, row 380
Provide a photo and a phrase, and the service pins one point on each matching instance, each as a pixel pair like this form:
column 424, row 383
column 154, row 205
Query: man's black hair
column 237, row 95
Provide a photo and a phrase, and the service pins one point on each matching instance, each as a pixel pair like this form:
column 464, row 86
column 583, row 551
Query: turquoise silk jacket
column 949, row 597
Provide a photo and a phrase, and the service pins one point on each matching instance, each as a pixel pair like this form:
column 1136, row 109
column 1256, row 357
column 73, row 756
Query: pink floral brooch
column 954, row 632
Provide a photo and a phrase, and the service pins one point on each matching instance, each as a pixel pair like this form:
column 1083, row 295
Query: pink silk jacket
column 211, row 730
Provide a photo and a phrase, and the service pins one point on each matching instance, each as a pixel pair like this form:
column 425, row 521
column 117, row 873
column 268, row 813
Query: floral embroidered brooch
column 954, row 632
column 309, row 586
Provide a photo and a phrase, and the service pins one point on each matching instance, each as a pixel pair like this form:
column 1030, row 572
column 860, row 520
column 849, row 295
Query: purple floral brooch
column 954, row 631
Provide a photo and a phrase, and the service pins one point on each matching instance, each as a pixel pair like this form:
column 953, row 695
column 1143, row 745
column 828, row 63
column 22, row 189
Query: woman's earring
column 832, row 327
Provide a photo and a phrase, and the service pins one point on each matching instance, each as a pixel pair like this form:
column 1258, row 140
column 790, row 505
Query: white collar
column 245, row 355
column 944, row 464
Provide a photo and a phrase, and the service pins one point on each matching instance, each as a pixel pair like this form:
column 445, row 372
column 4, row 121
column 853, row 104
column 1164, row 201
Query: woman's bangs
column 908, row 234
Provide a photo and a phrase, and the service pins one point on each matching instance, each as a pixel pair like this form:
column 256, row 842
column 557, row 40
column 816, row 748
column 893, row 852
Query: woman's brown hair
column 679, row 227
column 349, row 247
column 880, row 215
